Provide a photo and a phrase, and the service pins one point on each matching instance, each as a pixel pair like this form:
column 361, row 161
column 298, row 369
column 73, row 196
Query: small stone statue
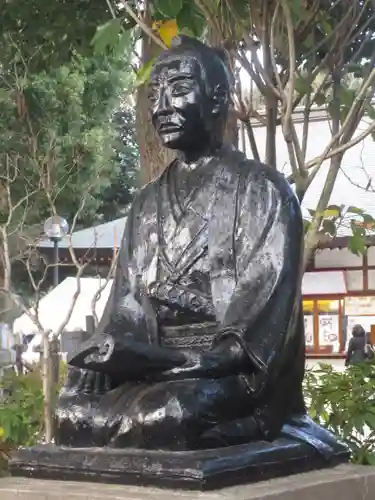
column 201, row 345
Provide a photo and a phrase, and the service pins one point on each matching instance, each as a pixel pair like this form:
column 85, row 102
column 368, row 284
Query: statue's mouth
column 169, row 128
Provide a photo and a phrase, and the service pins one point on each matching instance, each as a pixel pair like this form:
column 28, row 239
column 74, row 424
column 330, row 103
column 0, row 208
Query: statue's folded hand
column 125, row 359
column 226, row 359
column 81, row 381
column 205, row 365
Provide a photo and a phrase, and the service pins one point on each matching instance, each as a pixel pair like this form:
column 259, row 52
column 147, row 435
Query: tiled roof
column 107, row 235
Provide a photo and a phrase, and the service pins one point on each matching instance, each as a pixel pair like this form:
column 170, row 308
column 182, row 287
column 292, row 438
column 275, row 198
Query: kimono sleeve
column 127, row 309
column 263, row 291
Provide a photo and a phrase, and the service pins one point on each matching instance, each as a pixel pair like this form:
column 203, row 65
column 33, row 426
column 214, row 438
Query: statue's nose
column 164, row 102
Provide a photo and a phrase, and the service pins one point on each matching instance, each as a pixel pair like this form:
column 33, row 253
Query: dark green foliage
column 124, row 180
column 355, row 220
column 21, row 411
column 57, row 99
column 47, row 33
column 61, row 144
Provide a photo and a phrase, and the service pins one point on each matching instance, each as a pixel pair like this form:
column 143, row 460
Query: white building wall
column 358, row 167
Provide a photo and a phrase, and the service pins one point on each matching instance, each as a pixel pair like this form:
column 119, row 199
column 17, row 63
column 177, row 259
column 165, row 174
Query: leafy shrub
column 21, row 411
column 344, row 403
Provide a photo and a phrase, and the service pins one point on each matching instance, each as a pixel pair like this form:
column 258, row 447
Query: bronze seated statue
column 201, row 346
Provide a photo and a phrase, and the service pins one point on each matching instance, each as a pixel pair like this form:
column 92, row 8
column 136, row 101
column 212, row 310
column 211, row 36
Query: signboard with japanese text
column 358, row 306
column 328, row 328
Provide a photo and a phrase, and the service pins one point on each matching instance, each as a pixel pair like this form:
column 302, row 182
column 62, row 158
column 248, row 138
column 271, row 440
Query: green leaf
column 320, row 99
column 187, row 31
column 332, row 211
column 123, row 42
column 357, row 244
column 370, row 458
column 369, row 418
column 159, row 16
column 355, row 68
column 357, row 228
column 5, row 94
column 144, row 72
column 326, row 27
column 347, row 96
column 190, row 19
column 306, row 225
column 302, row 86
column 370, row 110
column 300, row 13
column 168, row 8
column 368, row 219
column 242, row 10
column 329, row 227
column 339, row 208
column 106, row 36
column 309, row 41
column 355, row 210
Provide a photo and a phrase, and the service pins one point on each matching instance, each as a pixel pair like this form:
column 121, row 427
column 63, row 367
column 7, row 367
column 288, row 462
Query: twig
column 345, row 144
column 143, row 26
column 98, row 293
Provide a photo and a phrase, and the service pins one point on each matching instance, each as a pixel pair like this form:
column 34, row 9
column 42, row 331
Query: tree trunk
column 311, row 238
column 153, row 156
column 5, row 278
column 271, row 104
column 47, row 388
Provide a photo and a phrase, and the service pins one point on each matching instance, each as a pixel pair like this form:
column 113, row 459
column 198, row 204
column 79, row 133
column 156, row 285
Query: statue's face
column 179, row 103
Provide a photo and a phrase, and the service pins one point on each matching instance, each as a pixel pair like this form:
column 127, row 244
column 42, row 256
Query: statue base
column 194, row 470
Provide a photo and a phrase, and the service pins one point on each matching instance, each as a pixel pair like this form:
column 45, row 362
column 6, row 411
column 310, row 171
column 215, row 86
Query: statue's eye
column 181, row 88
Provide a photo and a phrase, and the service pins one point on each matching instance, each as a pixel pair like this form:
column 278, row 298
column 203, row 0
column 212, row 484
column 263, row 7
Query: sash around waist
column 196, row 335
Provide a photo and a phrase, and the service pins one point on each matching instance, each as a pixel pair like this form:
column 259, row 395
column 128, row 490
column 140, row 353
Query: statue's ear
column 220, row 98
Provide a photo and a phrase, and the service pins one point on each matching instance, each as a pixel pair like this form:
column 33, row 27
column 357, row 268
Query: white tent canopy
column 54, row 307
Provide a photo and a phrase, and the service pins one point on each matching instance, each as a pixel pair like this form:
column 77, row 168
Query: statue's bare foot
column 78, row 409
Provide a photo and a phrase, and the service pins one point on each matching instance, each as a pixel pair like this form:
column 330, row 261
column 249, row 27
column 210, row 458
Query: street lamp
column 56, row 228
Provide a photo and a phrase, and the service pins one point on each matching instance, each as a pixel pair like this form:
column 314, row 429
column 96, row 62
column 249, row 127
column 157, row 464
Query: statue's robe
column 222, row 261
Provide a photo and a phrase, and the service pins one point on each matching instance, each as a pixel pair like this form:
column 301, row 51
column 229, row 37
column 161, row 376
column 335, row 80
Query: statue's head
column 189, row 94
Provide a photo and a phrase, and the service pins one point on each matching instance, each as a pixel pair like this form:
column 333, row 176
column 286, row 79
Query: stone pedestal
column 344, row 482
column 191, row 470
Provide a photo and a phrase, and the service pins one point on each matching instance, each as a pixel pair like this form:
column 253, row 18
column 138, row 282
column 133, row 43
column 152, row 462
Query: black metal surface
column 202, row 470
column 201, row 344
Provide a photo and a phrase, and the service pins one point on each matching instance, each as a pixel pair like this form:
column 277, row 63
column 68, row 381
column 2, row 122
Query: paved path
column 345, row 482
